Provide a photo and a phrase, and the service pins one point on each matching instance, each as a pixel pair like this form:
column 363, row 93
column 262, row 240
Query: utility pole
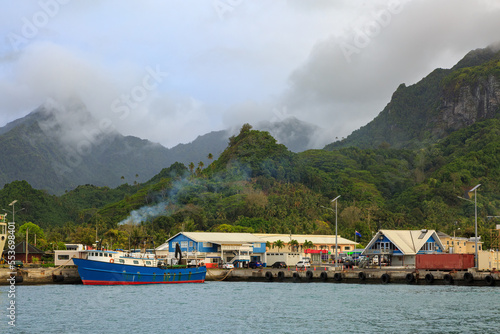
column 27, row 245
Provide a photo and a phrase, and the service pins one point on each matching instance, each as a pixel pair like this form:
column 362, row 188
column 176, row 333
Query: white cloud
column 260, row 57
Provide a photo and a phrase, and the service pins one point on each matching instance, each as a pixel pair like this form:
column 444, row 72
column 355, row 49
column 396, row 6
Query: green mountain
column 259, row 185
column 443, row 102
column 58, row 150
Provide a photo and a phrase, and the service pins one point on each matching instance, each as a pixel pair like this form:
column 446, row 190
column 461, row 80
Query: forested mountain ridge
column 58, row 148
column 259, row 185
column 445, row 101
column 432, row 143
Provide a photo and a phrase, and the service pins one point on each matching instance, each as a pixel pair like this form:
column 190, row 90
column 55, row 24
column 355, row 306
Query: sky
column 169, row 71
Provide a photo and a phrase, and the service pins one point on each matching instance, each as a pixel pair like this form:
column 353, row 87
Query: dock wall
column 31, row 276
column 359, row 276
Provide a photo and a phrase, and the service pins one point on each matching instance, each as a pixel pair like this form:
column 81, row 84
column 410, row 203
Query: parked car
column 303, row 264
column 279, row 264
column 255, row 264
column 228, row 266
column 349, row 262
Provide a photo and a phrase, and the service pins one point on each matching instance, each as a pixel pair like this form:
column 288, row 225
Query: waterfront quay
column 35, row 276
column 319, row 274
column 359, row 276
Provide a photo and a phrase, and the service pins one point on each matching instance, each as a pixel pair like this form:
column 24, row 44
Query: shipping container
column 444, row 261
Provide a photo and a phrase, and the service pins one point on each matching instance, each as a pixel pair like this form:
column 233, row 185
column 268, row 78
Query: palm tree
column 268, row 245
column 280, row 244
column 307, row 244
column 191, row 167
column 294, row 245
column 210, row 157
column 201, row 164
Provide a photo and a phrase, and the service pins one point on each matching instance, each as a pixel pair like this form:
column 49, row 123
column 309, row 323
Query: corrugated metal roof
column 301, row 238
column 223, row 238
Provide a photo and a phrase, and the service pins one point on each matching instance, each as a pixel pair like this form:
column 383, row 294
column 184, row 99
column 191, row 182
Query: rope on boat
column 64, row 264
column 216, row 279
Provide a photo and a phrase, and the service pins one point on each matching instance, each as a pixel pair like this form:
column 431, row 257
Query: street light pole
column 12, row 204
column 336, row 231
column 475, row 221
column 336, row 226
column 475, row 224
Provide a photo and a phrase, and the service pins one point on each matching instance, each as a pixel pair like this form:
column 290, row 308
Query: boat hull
column 103, row 273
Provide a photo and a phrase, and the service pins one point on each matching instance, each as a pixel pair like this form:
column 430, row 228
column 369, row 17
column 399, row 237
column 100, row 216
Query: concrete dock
column 69, row 275
column 359, row 276
column 33, row 276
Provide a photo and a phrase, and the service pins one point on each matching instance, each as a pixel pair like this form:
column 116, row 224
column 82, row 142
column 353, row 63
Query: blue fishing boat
column 102, row 267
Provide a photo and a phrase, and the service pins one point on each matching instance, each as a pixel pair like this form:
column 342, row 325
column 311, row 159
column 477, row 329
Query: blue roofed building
column 216, row 248
column 399, row 248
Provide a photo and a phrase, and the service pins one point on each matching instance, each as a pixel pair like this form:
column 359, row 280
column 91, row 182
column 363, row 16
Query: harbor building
column 65, row 256
column 34, row 254
column 487, row 259
column 216, row 248
column 459, row 245
column 319, row 248
column 399, row 248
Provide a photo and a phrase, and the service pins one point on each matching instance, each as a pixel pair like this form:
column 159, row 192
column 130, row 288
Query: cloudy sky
column 169, row 71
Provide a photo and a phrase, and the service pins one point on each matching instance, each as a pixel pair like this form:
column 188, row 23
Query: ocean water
column 248, row 307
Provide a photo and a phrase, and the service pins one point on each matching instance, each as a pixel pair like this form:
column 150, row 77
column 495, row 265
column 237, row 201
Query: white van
column 303, row 264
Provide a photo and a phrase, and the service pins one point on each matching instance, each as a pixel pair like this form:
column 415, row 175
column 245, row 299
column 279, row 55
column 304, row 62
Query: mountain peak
column 442, row 102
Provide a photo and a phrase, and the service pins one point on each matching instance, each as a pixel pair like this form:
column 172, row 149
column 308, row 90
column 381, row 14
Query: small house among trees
column 34, row 254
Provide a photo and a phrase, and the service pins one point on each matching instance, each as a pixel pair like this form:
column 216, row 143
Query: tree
column 307, row 244
column 191, row 167
column 279, row 244
column 83, row 235
column 294, row 245
column 33, row 230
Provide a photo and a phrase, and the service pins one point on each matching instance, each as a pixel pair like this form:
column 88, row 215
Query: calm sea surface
column 244, row 307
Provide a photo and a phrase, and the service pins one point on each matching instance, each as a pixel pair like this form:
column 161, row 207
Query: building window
column 256, row 245
column 184, row 244
column 190, row 244
column 207, row 244
column 429, row 246
column 63, row 257
column 347, row 248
